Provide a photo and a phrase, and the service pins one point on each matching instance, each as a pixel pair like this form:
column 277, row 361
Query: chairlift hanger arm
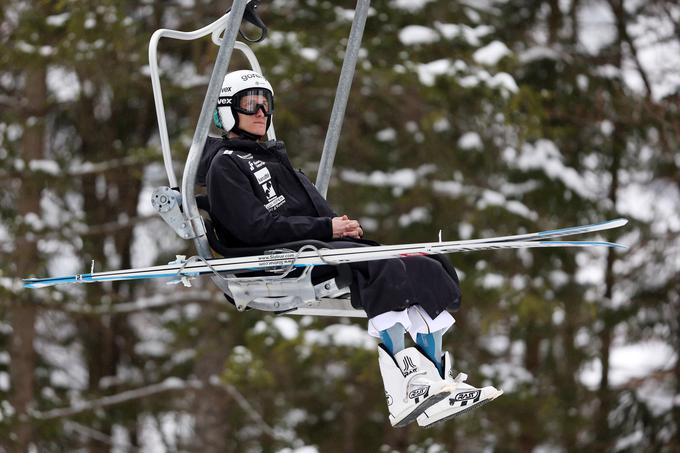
column 250, row 15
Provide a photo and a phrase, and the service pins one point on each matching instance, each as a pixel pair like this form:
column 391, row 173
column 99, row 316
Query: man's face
column 256, row 124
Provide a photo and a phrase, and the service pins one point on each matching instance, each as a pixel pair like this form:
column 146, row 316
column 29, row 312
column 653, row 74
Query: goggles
column 249, row 102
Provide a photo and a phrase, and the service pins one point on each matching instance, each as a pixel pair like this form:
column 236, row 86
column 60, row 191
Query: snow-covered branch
column 52, row 169
column 97, row 435
column 171, row 384
column 141, row 304
column 248, row 409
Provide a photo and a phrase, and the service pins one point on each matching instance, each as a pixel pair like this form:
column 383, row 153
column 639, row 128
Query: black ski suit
column 257, row 198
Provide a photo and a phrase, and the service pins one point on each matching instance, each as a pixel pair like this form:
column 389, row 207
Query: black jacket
column 258, row 198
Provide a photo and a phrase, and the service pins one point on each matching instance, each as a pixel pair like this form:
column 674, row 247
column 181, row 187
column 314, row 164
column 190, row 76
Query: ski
column 560, row 232
column 306, row 258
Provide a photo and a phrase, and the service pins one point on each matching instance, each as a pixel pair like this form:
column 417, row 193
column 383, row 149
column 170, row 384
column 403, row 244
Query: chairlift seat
column 338, row 277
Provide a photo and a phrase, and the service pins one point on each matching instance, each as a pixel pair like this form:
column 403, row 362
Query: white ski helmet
column 236, row 85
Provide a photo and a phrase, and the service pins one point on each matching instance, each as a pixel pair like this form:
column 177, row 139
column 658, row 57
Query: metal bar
column 342, row 94
column 202, row 127
column 215, row 27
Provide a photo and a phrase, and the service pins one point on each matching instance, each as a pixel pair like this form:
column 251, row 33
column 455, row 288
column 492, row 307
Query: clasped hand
column 344, row 227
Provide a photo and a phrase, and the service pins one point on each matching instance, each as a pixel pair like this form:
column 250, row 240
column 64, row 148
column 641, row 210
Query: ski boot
column 463, row 398
column 412, row 384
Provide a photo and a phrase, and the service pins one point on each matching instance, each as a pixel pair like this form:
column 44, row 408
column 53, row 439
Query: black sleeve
column 318, row 200
column 238, row 210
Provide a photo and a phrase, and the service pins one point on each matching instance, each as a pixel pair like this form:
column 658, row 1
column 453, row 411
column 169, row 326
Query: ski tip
column 614, row 245
column 621, row 221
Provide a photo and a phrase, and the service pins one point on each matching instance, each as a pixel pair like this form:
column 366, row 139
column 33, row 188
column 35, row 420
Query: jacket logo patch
column 269, row 191
column 262, row 176
column 253, row 164
column 274, row 204
column 228, row 151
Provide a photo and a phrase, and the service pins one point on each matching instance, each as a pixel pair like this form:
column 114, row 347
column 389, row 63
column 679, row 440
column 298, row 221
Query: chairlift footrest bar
column 272, row 293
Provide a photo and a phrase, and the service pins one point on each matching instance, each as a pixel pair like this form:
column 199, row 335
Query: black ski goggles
column 249, row 102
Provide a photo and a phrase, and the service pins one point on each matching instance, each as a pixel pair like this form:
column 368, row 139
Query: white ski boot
column 412, row 384
column 463, row 398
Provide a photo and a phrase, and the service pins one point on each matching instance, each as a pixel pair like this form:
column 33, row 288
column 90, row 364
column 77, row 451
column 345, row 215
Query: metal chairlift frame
column 271, row 293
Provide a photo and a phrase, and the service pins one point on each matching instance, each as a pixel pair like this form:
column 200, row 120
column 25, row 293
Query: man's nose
column 260, row 111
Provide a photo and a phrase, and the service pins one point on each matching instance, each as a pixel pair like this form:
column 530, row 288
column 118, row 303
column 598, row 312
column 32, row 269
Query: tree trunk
column 602, row 431
column 23, row 313
column 211, row 406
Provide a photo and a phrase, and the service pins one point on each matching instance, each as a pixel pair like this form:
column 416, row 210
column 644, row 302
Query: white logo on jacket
column 275, row 203
column 262, row 175
column 269, row 191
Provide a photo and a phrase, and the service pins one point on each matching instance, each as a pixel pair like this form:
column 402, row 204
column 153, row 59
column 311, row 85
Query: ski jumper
column 257, row 198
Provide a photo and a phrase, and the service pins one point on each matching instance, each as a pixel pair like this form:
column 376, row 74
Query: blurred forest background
column 479, row 118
